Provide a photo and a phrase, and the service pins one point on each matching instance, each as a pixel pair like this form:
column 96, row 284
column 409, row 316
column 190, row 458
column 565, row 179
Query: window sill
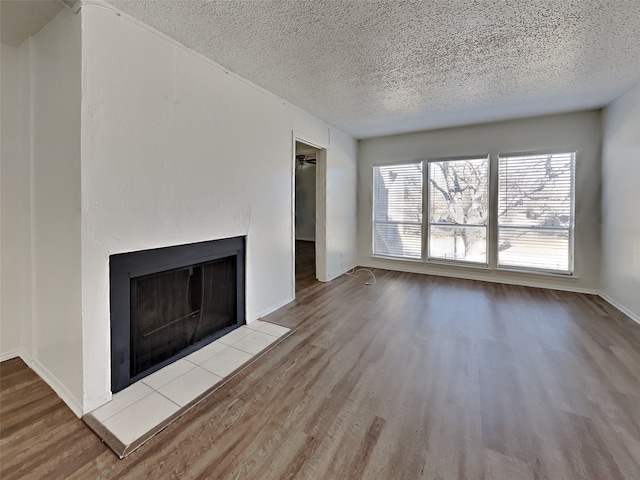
column 479, row 266
column 544, row 273
column 457, row 263
column 401, row 259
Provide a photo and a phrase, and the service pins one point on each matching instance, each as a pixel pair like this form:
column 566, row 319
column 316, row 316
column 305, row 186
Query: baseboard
column 617, row 305
column 344, row 270
column 26, row 359
column 62, row 391
column 410, row 268
column 9, row 355
column 47, row 377
column 273, row 308
column 567, row 288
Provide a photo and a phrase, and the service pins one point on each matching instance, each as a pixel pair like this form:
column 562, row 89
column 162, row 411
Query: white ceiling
column 382, row 67
column 21, row 19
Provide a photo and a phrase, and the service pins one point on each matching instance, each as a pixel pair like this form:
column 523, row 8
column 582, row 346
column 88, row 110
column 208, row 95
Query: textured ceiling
column 380, row 67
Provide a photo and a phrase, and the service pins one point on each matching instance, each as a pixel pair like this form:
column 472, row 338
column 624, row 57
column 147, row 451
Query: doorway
column 306, row 179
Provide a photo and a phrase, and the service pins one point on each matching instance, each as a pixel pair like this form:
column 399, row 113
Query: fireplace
column 169, row 302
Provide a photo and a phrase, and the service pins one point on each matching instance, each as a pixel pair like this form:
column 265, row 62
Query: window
column 458, row 209
column 535, row 211
column 532, row 207
column 397, row 211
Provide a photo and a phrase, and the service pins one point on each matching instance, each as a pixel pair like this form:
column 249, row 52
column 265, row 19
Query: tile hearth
column 141, row 410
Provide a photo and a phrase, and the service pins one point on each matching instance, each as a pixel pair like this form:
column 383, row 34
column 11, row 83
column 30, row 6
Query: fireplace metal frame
column 124, row 267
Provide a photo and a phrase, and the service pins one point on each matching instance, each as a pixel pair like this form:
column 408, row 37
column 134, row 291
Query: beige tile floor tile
column 168, row 373
column 122, row 400
column 225, row 362
column 146, row 404
column 187, row 387
column 273, row 329
column 205, row 353
column 255, row 342
column 237, row 334
column 137, row 419
column 256, row 324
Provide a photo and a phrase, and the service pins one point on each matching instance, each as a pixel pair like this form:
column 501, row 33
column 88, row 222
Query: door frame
column 321, row 208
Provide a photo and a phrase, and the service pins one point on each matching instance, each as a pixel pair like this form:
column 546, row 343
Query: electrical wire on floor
column 353, row 272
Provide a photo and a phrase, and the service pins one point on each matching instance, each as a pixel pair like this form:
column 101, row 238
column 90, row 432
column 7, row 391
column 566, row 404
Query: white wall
column 621, row 203
column 579, row 131
column 14, row 199
column 55, row 151
column 41, row 288
column 341, row 220
column 169, row 142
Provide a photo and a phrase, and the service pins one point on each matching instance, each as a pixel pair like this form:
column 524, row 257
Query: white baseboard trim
column 619, row 306
column 273, row 308
column 9, row 355
column 467, row 276
column 47, row 377
column 410, row 268
column 344, row 270
column 62, row 391
column 26, row 359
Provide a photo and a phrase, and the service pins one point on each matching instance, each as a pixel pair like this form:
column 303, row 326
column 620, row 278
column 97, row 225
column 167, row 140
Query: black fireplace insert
column 169, row 302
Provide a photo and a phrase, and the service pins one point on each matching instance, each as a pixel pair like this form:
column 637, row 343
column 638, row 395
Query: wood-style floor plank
column 415, row 377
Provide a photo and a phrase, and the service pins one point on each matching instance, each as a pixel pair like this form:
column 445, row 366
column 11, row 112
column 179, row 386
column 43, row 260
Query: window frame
column 570, row 272
column 492, row 226
column 426, row 176
column 419, row 259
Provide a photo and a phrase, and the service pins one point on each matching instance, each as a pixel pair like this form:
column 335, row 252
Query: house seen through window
column 397, row 211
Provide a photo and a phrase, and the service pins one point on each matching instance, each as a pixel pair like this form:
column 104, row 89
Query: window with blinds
column 536, row 211
column 397, row 211
column 458, row 209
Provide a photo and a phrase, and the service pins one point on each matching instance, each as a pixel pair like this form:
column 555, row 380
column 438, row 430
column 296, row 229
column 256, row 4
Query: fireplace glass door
column 174, row 310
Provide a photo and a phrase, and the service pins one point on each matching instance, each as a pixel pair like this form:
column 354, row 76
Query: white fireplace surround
column 123, row 140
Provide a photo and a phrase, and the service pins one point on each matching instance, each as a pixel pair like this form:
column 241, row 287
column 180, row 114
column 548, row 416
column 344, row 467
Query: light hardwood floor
column 414, row 377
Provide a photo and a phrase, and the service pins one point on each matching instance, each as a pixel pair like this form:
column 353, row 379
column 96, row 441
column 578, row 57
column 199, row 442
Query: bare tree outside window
column 535, row 211
column 458, row 209
column 534, row 216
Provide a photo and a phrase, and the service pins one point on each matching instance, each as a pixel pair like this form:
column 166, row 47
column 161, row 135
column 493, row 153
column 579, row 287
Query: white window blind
column 458, row 209
column 535, row 211
column 397, row 211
